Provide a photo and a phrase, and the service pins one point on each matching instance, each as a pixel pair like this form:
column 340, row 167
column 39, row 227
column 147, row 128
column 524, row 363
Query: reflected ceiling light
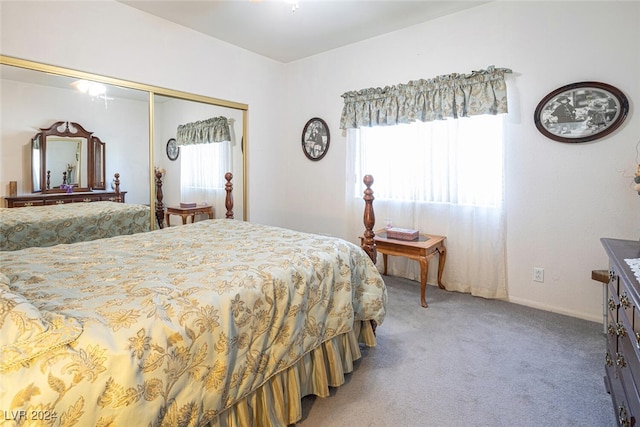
column 293, row 3
column 92, row 88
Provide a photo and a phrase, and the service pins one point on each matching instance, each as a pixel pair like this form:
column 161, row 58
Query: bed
column 69, row 223
column 220, row 323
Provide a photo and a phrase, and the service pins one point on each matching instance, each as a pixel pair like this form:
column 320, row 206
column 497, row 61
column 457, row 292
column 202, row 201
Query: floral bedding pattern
column 69, row 223
column 173, row 326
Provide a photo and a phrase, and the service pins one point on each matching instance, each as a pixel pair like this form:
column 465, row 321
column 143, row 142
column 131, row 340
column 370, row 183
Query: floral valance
column 442, row 97
column 215, row 129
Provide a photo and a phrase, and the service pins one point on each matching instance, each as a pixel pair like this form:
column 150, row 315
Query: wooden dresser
column 41, row 199
column 622, row 357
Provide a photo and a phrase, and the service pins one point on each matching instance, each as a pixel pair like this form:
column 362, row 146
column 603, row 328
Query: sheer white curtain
column 443, row 177
column 202, row 170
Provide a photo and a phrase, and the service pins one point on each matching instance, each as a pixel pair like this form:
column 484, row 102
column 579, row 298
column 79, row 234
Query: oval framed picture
column 173, row 150
column 581, row 112
column 315, row 139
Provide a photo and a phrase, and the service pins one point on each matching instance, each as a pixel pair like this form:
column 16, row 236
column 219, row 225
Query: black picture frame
column 581, row 112
column 173, row 150
column 315, row 139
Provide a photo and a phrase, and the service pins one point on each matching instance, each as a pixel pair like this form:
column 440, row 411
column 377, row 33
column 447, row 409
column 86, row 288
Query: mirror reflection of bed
column 61, row 216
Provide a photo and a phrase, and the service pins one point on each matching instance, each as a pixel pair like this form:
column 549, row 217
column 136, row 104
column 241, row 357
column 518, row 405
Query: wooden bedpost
column 159, row 197
column 48, row 180
column 117, row 184
column 228, row 201
column 368, row 244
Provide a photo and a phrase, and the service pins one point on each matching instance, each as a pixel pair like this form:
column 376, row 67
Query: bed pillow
column 26, row 332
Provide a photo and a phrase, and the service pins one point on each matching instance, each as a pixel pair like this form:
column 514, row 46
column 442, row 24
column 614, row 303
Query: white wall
column 561, row 198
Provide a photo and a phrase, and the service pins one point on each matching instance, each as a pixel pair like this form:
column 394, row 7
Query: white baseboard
column 546, row 307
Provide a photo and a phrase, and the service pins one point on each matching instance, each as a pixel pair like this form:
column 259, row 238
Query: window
column 445, row 161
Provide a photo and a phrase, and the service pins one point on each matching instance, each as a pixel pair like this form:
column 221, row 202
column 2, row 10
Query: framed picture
column 173, row 151
column 581, row 112
column 315, row 139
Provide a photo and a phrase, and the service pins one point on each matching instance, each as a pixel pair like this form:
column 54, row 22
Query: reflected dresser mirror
column 67, row 154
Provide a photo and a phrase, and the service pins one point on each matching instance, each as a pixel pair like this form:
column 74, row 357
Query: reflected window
column 202, row 170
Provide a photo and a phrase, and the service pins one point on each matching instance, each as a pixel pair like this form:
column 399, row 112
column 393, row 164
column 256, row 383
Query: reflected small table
column 188, row 212
column 421, row 250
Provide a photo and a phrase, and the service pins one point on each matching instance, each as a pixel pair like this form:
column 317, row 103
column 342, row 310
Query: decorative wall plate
column 581, row 112
column 173, row 151
column 315, row 139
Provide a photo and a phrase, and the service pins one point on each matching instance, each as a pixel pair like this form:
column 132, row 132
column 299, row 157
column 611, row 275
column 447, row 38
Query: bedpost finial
column 368, row 180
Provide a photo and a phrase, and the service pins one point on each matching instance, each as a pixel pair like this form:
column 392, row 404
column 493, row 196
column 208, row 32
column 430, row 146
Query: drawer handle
column 621, row 330
column 608, row 360
column 612, row 304
column 87, row 200
column 28, row 204
column 638, row 339
column 624, row 300
column 612, row 275
column 623, row 417
column 620, row 360
column 112, row 199
column 612, row 330
column 59, row 202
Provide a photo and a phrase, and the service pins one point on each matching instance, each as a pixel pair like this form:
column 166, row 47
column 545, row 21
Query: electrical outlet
column 538, row 274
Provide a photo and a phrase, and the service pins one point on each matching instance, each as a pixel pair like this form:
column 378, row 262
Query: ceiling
column 271, row 28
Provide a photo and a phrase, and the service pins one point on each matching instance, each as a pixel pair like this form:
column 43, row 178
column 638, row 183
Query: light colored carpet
column 468, row 361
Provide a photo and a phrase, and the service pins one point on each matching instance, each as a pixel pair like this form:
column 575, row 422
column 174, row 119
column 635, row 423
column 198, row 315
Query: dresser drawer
column 27, row 204
column 628, row 383
column 616, row 389
column 58, row 202
column 85, row 199
column 623, row 413
column 628, row 347
column 112, row 198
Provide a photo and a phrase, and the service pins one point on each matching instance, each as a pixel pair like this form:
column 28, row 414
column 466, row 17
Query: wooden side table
column 421, row 250
column 188, row 212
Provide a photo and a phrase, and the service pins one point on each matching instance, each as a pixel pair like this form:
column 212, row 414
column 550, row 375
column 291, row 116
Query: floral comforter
column 173, row 326
column 69, row 223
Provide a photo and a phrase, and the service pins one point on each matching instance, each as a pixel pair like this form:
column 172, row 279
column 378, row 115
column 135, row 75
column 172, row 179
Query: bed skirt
column 278, row 402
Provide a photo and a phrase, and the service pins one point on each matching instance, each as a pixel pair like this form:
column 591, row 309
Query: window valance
column 447, row 96
column 215, row 129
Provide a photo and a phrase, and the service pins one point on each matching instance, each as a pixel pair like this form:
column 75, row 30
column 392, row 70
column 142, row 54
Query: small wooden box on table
column 421, row 250
column 188, row 212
